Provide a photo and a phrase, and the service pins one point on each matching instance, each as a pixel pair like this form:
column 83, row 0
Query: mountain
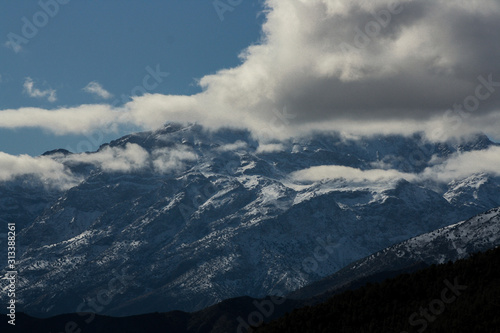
column 458, row 297
column 444, row 245
column 451, row 243
column 182, row 218
column 222, row 317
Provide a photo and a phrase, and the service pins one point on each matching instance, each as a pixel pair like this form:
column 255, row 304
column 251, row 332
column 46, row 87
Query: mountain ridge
column 239, row 313
column 213, row 215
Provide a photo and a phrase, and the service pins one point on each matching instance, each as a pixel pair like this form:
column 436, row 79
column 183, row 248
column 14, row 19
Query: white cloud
column 238, row 145
column 456, row 167
column 270, row 148
column 44, row 168
column 131, row 158
column 29, row 88
column 14, row 46
column 52, row 171
column 116, row 159
column 172, row 159
column 423, row 62
column 322, row 172
column 77, row 120
column 462, row 165
column 135, row 158
column 96, row 88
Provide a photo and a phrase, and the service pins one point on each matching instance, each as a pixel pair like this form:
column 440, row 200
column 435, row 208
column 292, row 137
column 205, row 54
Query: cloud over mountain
column 464, row 164
column 55, row 171
column 45, row 169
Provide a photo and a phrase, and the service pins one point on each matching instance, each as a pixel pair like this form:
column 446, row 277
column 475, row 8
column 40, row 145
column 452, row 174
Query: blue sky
column 113, row 43
column 76, row 74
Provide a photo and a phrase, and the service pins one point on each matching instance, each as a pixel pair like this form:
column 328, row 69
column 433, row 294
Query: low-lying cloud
column 238, row 145
column 325, row 172
column 131, row 158
column 462, row 165
column 55, row 171
column 47, row 170
column 270, row 148
column 456, row 167
column 172, row 160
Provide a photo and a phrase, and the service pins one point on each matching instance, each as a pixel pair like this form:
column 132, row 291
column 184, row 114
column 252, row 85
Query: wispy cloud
column 96, row 88
column 322, row 172
column 270, row 148
column 238, row 145
column 29, row 88
column 14, row 46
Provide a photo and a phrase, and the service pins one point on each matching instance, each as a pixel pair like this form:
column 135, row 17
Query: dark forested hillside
column 456, row 297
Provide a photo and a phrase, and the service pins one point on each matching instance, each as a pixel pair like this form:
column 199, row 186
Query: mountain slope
column 390, row 306
column 457, row 241
column 184, row 218
column 458, row 297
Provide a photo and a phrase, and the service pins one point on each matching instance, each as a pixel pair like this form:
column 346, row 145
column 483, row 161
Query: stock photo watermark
column 277, row 123
column 453, row 118
column 265, row 309
column 199, row 198
column 461, row 111
column 11, row 275
column 324, row 249
column 90, row 307
column 437, row 306
column 372, row 29
column 151, row 80
column 223, row 6
column 32, row 26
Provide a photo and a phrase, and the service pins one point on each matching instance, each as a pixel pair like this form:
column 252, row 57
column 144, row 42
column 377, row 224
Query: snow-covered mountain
column 186, row 217
column 451, row 243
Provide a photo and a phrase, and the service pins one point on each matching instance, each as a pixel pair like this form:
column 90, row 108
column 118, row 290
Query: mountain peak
column 57, row 152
